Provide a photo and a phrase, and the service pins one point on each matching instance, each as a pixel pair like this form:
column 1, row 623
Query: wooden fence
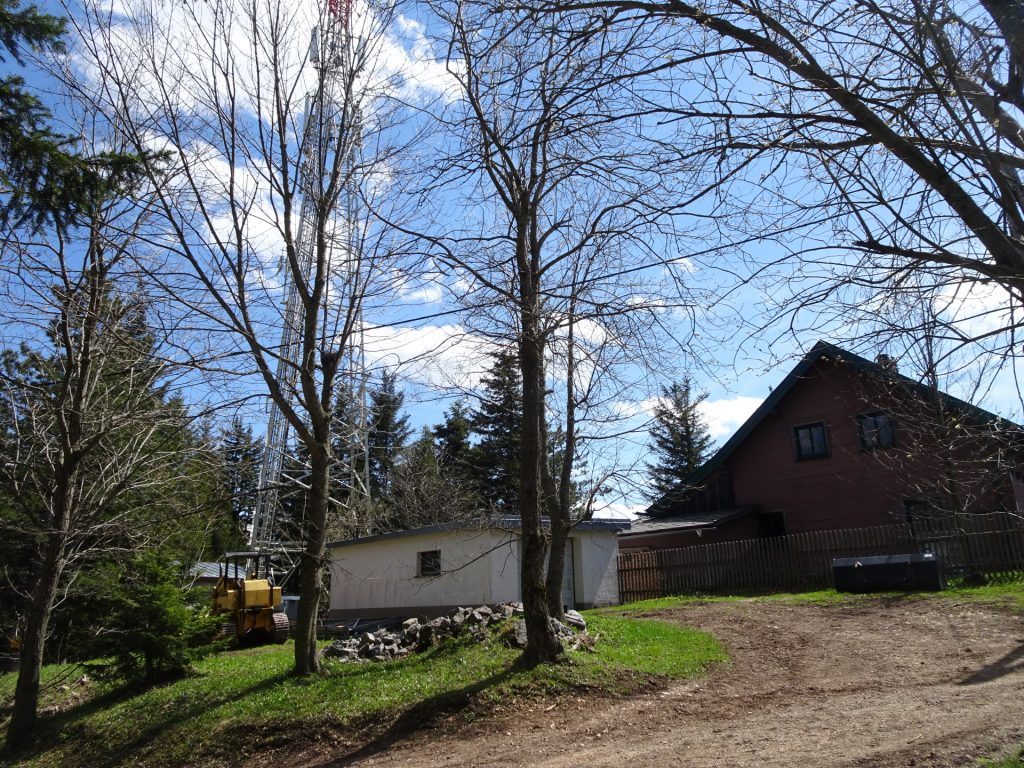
column 992, row 544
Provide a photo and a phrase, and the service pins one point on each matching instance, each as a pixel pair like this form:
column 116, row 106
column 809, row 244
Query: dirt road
column 898, row 683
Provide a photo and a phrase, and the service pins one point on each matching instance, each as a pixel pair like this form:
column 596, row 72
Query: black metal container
column 888, row 572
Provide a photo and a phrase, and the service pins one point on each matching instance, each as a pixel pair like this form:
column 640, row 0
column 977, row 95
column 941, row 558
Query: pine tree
column 499, row 423
column 454, row 449
column 242, row 455
column 388, row 431
column 42, row 181
column 680, row 438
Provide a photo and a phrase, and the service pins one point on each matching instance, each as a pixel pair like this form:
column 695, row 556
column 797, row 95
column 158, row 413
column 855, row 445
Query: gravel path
column 895, row 683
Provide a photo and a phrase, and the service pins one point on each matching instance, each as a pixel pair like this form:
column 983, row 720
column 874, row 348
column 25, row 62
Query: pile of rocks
column 417, row 635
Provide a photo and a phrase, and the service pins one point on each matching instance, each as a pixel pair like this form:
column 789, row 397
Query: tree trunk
column 556, row 569
column 559, row 536
column 542, row 646
column 307, row 660
column 26, row 693
column 560, row 499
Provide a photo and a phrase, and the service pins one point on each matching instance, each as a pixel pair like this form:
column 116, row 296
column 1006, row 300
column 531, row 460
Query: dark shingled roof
column 691, row 522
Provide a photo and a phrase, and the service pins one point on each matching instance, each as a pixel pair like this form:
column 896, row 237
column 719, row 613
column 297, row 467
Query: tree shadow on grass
column 55, row 729
column 421, row 713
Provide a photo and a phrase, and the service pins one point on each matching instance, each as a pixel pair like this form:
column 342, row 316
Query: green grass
column 243, row 701
column 1008, row 593
column 1016, row 760
column 821, row 597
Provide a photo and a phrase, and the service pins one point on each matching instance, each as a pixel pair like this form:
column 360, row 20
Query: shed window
column 875, row 430
column 810, row 441
column 430, row 563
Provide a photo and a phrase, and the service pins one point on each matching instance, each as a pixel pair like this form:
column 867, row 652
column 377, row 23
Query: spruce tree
column 242, row 456
column 679, row 438
column 452, row 436
column 388, row 430
column 426, row 491
column 499, row 423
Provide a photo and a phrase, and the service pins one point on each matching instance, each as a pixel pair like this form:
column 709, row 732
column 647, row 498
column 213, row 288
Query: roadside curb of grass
column 1010, row 595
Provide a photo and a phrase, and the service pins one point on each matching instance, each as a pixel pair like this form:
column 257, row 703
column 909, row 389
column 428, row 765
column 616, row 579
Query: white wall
column 380, row 577
column 596, row 568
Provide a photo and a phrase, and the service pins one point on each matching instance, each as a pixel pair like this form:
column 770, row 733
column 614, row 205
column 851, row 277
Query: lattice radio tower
column 331, row 134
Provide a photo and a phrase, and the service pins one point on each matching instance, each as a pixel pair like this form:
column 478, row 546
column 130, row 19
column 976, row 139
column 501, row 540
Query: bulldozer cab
column 245, row 590
column 237, row 566
column 246, row 582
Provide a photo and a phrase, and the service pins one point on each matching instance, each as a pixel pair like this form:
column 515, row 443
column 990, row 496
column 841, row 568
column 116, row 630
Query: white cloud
column 978, row 309
column 724, row 417
column 442, row 356
column 617, row 510
column 203, row 59
column 428, row 294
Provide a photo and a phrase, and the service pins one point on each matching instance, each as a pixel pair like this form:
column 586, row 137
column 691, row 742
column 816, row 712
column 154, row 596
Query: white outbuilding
column 428, row 571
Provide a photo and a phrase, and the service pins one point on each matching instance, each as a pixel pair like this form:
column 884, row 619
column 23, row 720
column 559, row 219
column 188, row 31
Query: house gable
column 822, row 451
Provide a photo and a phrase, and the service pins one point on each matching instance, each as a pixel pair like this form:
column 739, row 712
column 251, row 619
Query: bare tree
column 561, row 198
column 871, row 140
column 87, row 424
column 279, row 146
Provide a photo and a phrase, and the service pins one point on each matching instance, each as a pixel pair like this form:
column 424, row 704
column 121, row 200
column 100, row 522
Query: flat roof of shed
column 500, row 523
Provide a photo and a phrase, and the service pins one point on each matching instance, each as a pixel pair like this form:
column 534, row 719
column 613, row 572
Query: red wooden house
column 842, row 442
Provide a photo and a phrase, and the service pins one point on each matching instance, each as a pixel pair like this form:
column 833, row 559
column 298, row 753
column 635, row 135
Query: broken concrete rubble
column 417, row 635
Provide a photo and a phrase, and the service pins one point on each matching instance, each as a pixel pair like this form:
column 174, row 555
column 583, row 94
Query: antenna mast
column 330, row 144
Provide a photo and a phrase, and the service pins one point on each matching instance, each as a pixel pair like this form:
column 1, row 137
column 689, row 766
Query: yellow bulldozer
column 246, row 596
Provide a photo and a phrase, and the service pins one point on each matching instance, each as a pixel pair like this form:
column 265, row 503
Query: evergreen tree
column 388, row 431
column 349, row 462
column 454, row 449
column 150, row 634
column 499, row 422
column 679, row 438
column 40, row 179
column 242, row 456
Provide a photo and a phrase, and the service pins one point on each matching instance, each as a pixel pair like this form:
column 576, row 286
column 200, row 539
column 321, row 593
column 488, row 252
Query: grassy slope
column 1010, row 595
column 243, row 701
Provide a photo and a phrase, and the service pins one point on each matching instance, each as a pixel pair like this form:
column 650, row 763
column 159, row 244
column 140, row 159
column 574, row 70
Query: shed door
column 568, row 585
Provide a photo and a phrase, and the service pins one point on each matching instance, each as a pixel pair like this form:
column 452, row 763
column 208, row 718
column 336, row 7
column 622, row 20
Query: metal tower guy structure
column 330, row 146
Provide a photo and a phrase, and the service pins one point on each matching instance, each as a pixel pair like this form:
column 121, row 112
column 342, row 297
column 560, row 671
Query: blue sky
column 741, row 337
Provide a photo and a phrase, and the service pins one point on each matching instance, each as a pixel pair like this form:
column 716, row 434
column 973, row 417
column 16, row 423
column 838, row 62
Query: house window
column 810, row 441
column 770, row 524
column 430, row 563
column 875, row 430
